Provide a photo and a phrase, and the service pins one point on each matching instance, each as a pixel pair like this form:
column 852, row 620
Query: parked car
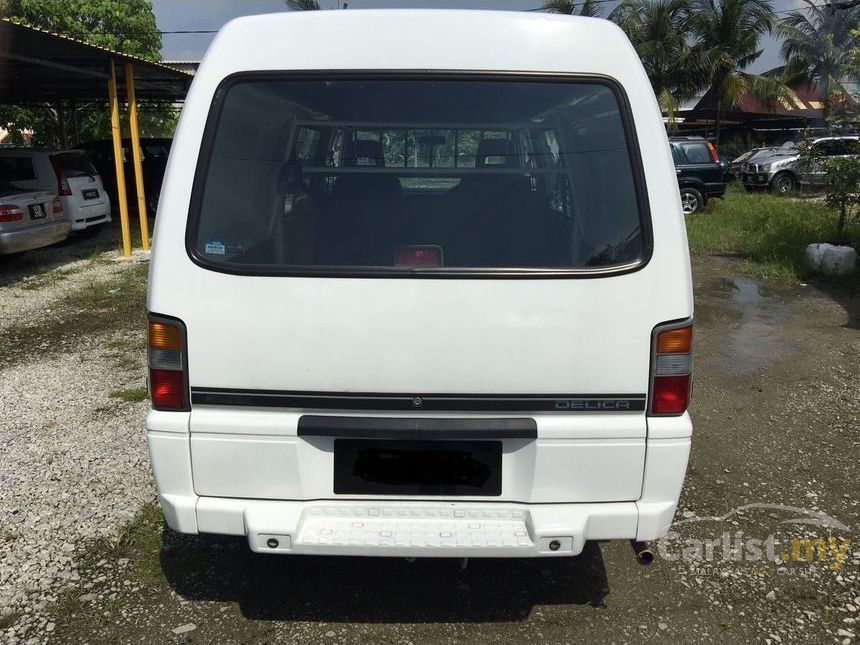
column 783, row 171
column 699, row 172
column 737, row 165
column 68, row 174
column 814, row 175
column 154, row 153
column 29, row 219
column 394, row 316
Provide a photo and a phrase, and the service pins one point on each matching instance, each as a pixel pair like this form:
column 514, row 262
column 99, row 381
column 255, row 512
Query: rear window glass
column 405, row 175
column 697, row 153
column 17, row 168
column 7, row 188
column 74, row 164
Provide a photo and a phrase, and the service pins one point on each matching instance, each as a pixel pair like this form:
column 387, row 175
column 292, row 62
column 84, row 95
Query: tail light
column 63, row 187
column 418, row 256
column 9, row 213
column 671, row 368
column 168, row 364
column 56, row 205
column 712, row 149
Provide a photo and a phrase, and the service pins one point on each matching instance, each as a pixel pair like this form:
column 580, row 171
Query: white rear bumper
column 428, row 528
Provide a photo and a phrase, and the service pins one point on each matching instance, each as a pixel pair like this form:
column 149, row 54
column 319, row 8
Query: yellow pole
column 116, row 135
column 135, row 152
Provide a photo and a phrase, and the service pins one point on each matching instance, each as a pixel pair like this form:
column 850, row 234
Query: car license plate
column 91, row 193
column 37, row 211
column 396, row 467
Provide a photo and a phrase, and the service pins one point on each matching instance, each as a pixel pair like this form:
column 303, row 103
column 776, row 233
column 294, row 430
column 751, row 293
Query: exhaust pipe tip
column 644, row 553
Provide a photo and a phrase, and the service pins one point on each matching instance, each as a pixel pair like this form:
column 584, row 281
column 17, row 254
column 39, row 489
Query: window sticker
column 214, row 248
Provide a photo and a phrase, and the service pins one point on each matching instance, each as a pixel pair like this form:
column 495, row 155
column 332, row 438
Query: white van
column 424, row 291
column 69, row 174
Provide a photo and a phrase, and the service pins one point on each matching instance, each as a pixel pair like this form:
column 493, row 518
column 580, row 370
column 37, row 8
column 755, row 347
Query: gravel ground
column 74, row 466
column 776, row 410
column 35, row 296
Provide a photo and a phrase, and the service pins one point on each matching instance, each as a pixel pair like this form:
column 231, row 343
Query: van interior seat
column 506, row 202
column 365, row 154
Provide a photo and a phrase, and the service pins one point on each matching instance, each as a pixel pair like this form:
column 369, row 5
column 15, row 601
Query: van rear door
column 400, row 247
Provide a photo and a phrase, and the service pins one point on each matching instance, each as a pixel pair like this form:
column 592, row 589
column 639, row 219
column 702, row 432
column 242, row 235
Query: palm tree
column 303, row 5
column 658, row 31
column 589, row 8
column 819, row 44
column 727, row 39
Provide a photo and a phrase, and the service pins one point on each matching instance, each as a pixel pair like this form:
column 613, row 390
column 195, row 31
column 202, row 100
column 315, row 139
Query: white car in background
column 70, row 174
column 29, row 220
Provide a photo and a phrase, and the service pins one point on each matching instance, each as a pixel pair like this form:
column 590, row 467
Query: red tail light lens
column 671, row 368
column 9, row 213
column 670, row 394
column 168, row 367
column 63, row 187
column 418, row 256
column 168, row 389
column 56, row 205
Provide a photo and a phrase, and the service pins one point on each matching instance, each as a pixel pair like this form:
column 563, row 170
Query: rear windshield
column 697, row 152
column 74, row 164
column 416, row 175
column 17, row 168
column 7, row 188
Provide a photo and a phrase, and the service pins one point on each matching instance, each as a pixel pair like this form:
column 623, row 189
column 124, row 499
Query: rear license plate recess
column 398, row 467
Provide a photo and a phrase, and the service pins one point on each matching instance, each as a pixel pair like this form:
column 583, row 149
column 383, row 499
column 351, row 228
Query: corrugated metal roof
column 38, row 65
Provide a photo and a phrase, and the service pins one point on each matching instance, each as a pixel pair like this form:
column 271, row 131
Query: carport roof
column 37, row 65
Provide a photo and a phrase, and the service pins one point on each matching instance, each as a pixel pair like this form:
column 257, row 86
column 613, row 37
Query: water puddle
column 748, row 320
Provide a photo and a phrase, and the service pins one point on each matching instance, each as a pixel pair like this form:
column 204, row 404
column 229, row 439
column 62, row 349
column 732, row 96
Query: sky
column 201, row 15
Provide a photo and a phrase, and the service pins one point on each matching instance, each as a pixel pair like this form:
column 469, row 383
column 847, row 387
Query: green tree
column 127, row 26
column 589, row 8
column 820, row 45
column 658, row 31
column 841, row 182
column 303, row 5
column 727, row 35
column 842, row 189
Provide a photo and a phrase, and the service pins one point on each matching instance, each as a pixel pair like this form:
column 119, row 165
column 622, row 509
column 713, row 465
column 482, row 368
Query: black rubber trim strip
column 417, row 403
column 411, row 428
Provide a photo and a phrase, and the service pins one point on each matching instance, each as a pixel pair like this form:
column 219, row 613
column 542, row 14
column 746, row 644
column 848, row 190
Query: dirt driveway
column 773, row 473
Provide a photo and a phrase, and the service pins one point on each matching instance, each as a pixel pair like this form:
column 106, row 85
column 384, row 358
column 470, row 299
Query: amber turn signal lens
column 675, row 341
column 163, row 336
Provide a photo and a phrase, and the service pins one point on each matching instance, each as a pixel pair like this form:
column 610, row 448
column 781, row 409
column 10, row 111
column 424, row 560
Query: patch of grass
column 140, row 542
column 94, row 310
column 770, row 233
column 131, row 395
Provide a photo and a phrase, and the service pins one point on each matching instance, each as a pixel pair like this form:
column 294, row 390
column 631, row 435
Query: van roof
column 418, row 39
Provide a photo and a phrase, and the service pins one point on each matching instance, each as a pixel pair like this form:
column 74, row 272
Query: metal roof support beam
column 81, row 71
column 135, row 153
column 116, row 135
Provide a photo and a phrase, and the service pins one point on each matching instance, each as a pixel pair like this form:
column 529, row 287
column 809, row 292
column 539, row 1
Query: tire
column 783, row 183
column 691, row 201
